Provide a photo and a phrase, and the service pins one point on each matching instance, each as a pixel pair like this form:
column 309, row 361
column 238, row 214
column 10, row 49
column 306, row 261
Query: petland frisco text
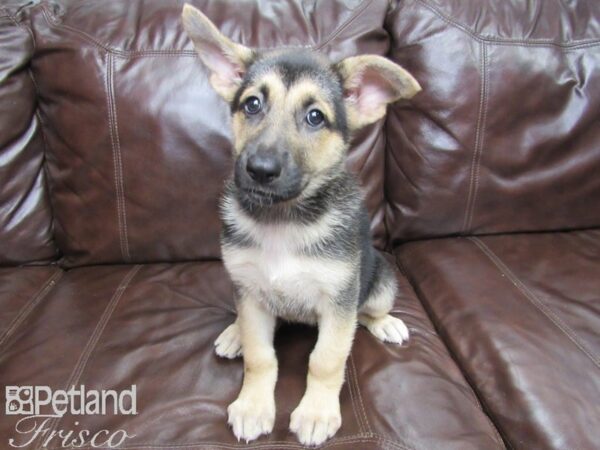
column 44, row 408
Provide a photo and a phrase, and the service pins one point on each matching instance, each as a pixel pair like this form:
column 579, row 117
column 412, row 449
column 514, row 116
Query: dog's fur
column 296, row 239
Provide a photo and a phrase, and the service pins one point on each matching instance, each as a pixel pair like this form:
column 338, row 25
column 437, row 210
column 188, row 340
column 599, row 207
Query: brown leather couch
column 484, row 189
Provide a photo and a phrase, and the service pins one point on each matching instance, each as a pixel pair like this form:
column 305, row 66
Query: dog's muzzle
column 267, row 177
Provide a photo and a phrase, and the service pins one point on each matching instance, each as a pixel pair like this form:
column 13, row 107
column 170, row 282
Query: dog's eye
column 252, row 105
column 315, row 118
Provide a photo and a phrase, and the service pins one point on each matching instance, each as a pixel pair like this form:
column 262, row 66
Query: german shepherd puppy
column 295, row 235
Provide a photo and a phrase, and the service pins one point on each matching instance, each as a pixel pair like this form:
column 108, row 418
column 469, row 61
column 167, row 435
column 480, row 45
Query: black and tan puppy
column 295, row 232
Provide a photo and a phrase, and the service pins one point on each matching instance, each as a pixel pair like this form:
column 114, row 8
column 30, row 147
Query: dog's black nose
column 263, row 168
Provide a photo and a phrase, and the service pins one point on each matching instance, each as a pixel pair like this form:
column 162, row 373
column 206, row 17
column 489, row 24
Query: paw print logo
column 19, row 400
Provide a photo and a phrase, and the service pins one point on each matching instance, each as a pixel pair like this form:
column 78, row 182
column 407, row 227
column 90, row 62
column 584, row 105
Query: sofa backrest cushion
column 506, row 133
column 139, row 143
column 25, row 213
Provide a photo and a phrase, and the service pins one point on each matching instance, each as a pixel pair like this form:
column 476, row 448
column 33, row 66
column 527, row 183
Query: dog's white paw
column 251, row 417
column 229, row 343
column 388, row 329
column 316, row 420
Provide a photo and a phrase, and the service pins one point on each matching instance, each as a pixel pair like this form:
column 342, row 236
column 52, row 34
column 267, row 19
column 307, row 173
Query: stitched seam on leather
column 30, row 305
column 582, row 43
column 91, row 344
column 486, row 81
column 478, row 149
column 366, row 419
column 120, row 161
column 374, row 439
column 397, row 445
column 354, row 399
column 335, row 33
column 535, row 301
column 86, row 37
column 354, row 378
column 125, row 53
column 116, row 154
column 219, row 445
column 107, row 83
column 363, row 438
column 353, row 402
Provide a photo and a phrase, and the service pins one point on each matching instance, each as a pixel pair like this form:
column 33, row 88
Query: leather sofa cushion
column 108, row 327
column 521, row 313
column 25, row 215
column 139, row 144
column 504, row 136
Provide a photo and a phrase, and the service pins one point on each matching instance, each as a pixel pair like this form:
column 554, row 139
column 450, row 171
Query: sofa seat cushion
column 109, row 327
column 521, row 314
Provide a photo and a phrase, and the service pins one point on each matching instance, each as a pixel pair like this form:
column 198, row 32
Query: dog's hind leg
column 229, row 343
column 374, row 314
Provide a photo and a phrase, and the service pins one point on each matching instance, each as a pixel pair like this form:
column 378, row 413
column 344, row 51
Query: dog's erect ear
column 370, row 83
column 226, row 60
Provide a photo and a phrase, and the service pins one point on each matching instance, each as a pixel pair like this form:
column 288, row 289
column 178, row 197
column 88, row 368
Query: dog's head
column 293, row 112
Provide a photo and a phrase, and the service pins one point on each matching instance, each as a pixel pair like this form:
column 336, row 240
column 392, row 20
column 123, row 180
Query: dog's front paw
column 316, row 420
column 229, row 343
column 389, row 329
column 251, row 417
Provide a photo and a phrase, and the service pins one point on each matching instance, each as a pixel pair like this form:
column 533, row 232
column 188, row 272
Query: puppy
column 295, row 238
